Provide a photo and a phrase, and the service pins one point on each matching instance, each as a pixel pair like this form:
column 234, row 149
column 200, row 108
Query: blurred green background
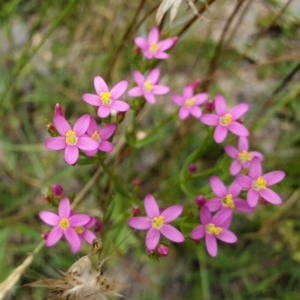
column 248, row 50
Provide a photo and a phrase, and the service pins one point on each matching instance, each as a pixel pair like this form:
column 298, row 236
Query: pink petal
column 213, row 204
column 183, row 113
column 82, row 124
column 91, row 99
column 196, row 111
column 242, row 206
column 166, row 44
column 107, row 131
column 79, row 220
column 221, row 217
column 211, row 245
column 160, row 89
column 227, row 236
column 244, row 181
column 239, row 110
column 255, row 168
column 135, row 92
column 235, row 167
column 86, row 143
column 177, row 99
column 55, row 143
column 141, row 42
column 140, row 223
column 71, row 154
column 89, row 236
column 153, row 36
column 92, row 127
column 188, row 92
column 64, row 208
column 106, row 146
column 54, row 236
column 73, row 239
column 153, row 76
column 210, row 119
column 172, row 233
column 120, row 105
column 273, row 177
column 231, row 151
column 205, row 215
column 138, row 78
column 220, row 134
column 103, row 111
column 151, row 206
column 243, row 144
column 201, row 98
column 150, row 98
column 270, row 196
column 100, row 85
column 252, row 198
column 238, row 129
column 198, row 232
column 119, row 89
column 49, row 218
column 171, row 213
column 152, row 238
column 220, row 105
column 218, row 186
column 161, row 55
column 234, row 189
column 61, row 124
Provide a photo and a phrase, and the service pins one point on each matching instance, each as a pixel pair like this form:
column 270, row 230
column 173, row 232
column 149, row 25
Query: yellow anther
column 259, row 184
column 189, row 102
column 148, row 86
column 157, row 222
column 153, row 47
column 79, row 229
column 211, row 228
column 105, row 98
column 96, row 136
column 244, row 156
column 64, row 223
column 71, row 138
column 226, row 120
column 228, row 201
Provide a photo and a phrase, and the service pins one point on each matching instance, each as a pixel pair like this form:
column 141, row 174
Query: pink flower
column 226, row 197
column 107, row 99
column 157, row 223
column 258, row 184
column 152, row 47
column 189, row 103
column 84, row 232
column 213, row 228
column 242, row 158
column 226, row 119
column 64, row 224
column 100, row 135
column 148, row 86
column 71, row 139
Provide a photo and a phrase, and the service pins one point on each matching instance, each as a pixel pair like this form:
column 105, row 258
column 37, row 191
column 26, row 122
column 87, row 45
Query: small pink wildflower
column 189, row 103
column 226, row 197
column 157, row 223
column 152, row 47
column 242, row 158
column 71, row 139
column 258, row 184
column 100, row 135
column 148, row 86
column 213, row 228
column 226, row 119
column 106, row 99
column 64, row 224
column 84, row 232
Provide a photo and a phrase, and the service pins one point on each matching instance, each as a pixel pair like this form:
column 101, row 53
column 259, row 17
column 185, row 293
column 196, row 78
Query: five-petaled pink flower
column 258, row 184
column 65, row 223
column 71, row 139
column 157, row 223
column 189, row 103
column 242, row 158
column 213, row 228
column 152, row 47
column 148, row 86
column 106, row 99
column 226, row 119
column 100, row 135
column 227, row 198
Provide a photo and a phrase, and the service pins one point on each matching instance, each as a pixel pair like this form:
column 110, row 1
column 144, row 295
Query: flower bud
column 136, row 211
column 210, row 105
column 193, row 168
column 57, row 190
column 200, row 201
column 163, row 250
column 58, row 110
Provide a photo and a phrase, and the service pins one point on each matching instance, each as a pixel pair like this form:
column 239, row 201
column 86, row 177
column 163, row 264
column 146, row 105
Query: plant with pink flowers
column 157, row 223
column 148, row 86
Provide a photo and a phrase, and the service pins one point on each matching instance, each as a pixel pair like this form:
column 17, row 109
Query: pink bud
column 194, row 84
column 98, row 225
column 200, row 200
column 193, row 168
column 210, row 105
column 163, row 250
column 58, row 110
column 136, row 211
column 57, row 190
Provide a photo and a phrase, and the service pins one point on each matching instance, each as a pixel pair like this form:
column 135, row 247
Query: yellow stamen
column 244, row 156
column 189, row 102
column 228, row 201
column 148, row 86
column 71, row 138
column 226, row 120
column 158, row 222
column 211, row 228
column 64, row 223
column 105, row 98
column 259, row 184
column 96, row 136
column 79, row 229
column 153, row 47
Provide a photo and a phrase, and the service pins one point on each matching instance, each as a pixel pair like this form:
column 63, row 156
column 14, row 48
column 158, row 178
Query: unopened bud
column 57, row 190
column 136, row 211
column 163, row 250
column 200, row 201
column 194, row 84
column 210, row 105
column 193, row 168
column 58, row 110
